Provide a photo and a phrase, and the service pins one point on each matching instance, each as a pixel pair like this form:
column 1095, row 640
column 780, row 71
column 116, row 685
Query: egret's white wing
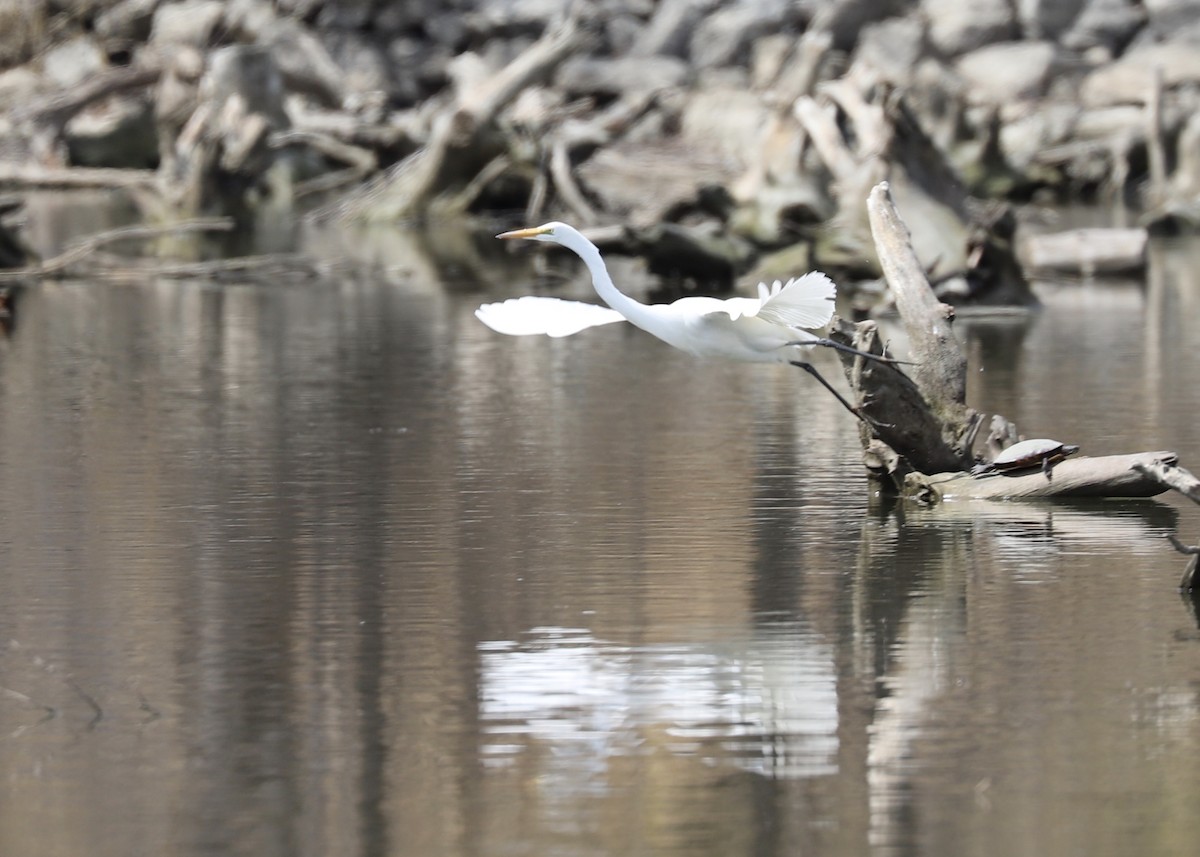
column 539, row 315
column 806, row 302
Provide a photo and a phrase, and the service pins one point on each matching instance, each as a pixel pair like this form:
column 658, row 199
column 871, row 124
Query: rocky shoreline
column 720, row 137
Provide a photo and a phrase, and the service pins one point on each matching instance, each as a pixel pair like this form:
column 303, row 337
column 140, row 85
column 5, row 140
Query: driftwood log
column 918, row 433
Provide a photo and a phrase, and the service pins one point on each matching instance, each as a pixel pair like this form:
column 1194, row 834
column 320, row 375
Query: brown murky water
column 333, row 570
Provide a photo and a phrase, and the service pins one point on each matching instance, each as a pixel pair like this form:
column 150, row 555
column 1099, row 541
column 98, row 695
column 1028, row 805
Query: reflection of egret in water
column 766, row 705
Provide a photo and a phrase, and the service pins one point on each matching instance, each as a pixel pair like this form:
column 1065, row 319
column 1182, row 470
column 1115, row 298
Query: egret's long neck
column 636, row 312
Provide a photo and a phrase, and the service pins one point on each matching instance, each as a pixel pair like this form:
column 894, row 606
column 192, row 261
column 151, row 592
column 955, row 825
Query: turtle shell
column 1029, row 453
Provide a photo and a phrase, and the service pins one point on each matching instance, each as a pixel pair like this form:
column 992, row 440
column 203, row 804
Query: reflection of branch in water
column 51, row 670
column 123, row 269
column 49, row 712
column 271, row 264
column 87, row 246
column 152, row 713
column 1188, row 582
column 97, row 711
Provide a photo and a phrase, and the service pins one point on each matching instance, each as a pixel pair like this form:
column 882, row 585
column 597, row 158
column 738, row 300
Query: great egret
column 772, row 328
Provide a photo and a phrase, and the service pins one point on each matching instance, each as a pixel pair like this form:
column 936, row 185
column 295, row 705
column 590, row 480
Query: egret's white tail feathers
column 533, row 314
column 805, row 302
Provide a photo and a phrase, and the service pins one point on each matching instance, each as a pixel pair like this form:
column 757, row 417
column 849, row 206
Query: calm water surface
column 331, row 569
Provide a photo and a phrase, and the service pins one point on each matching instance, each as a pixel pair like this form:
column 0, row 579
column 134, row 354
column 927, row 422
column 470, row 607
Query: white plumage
column 753, row 329
column 772, row 328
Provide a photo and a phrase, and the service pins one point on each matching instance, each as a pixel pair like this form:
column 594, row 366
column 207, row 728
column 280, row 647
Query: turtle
column 1038, row 452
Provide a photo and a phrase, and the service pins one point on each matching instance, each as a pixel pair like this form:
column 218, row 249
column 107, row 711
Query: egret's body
column 772, row 328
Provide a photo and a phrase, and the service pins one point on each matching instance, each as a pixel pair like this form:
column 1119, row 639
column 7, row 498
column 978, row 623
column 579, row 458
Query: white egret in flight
column 772, row 328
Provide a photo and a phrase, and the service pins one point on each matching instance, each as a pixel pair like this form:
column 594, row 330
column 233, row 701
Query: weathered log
column 1104, row 476
column 1086, row 251
column 28, row 176
column 1167, row 474
column 940, row 369
column 897, row 417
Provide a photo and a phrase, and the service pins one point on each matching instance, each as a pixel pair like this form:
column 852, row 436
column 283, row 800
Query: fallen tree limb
column 409, row 187
column 58, row 109
column 1169, row 475
column 1103, row 476
column 923, row 418
column 27, row 176
column 941, row 368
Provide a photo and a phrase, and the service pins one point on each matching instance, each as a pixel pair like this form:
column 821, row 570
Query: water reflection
column 331, row 569
column 766, row 706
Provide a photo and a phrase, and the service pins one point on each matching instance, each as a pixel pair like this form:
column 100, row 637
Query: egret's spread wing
column 550, row 316
column 806, row 302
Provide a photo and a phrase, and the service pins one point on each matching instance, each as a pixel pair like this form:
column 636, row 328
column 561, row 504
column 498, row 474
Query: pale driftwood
column 941, row 368
column 1104, row 476
column 1086, row 251
column 359, row 159
column 30, row 176
column 1169, row 475
column 409, row 188
column 924, row 419
column 1156, row 155
column 564, row 183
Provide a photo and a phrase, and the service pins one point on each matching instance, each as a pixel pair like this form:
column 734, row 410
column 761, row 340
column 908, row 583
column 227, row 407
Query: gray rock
column 958, row 26
column 669, row 30
column 128, row 19
column 1127, row 80
column 71, row 63
column 892, row 48
column 1047, row 19
column 17, row 86
column 845, row 20
column 724, row 37
column 1107, row 24
column 188, row 22
column 1177, row 20
column 1029, row 134
column 1010, row 71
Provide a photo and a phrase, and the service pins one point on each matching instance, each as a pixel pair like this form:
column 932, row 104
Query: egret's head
column 553, row 232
